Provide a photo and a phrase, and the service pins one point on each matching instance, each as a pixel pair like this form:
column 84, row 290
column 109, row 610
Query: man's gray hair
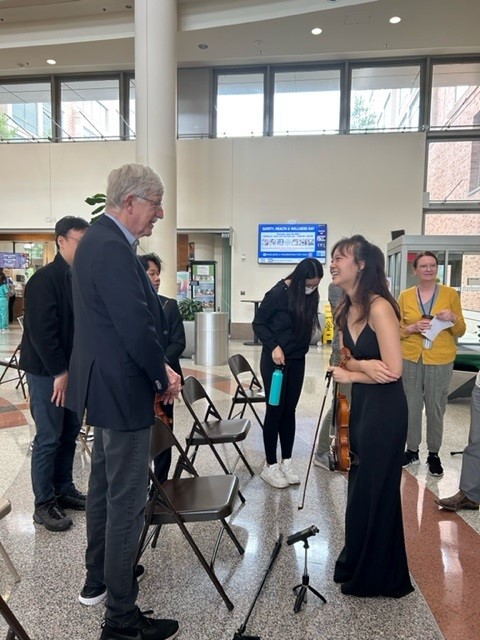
column 136, row 179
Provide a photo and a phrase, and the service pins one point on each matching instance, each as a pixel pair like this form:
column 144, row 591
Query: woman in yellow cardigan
column 428, row 366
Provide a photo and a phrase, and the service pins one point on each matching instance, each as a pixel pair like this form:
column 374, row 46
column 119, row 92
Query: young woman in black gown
column 373, row 561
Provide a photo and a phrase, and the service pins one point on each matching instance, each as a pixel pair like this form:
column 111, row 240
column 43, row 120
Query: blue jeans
column 54, row 444
column 117, row 495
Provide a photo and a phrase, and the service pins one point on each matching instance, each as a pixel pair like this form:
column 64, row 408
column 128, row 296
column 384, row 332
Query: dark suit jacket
column 174, row 334
column 48, row 320
column 118, row 360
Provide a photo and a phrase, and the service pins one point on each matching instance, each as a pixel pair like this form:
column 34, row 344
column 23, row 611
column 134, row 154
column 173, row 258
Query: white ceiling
column 96, row 35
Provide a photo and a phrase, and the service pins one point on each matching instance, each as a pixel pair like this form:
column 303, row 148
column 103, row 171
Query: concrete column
column 156, row 125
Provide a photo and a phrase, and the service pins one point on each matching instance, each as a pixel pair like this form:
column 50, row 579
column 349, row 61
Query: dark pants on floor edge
column 54, row 445
column 116, row 500
column 280, row 421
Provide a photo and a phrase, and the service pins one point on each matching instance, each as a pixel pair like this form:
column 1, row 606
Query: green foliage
column 188, row 308
column 97, row 199
column 7, row 132
column 362, row 116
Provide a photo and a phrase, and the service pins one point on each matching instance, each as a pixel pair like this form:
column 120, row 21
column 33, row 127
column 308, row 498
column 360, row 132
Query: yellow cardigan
column 444, row 347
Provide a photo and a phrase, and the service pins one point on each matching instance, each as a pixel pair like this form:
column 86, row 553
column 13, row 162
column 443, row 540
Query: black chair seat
column 198, row 499
column 222, row 431
column 251, row 396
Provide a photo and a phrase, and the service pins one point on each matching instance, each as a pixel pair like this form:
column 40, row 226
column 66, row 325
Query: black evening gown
column 373, row 561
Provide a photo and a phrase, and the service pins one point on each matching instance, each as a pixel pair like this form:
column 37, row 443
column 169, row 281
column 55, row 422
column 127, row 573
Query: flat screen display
column 291, row 243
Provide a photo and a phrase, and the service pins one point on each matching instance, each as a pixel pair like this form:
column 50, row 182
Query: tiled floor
column 443, row 548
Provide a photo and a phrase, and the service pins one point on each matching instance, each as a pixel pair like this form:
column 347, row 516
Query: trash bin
column 211, row 338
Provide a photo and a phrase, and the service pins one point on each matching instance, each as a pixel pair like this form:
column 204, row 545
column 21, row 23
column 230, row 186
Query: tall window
column 453, row 170
column 456, row 96
column 385, row 98
column 240, row 104
column 90, row 109
column 306, row 102
column 25, row 112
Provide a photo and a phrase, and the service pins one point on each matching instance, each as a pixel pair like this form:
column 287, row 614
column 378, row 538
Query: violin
column 340, row 443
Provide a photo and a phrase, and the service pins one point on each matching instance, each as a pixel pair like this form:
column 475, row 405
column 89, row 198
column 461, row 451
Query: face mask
column 309, row 290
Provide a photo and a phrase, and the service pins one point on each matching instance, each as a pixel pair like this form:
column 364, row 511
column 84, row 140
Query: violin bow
column 328, row 378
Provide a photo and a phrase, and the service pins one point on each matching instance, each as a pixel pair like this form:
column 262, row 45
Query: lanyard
column 432, row 300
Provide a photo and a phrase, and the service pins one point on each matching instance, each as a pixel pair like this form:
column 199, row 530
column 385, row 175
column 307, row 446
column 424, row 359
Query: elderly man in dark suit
column 118, row 364
column 44, row 355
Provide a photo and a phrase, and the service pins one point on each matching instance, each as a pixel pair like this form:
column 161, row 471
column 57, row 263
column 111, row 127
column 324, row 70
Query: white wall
column 366, row 184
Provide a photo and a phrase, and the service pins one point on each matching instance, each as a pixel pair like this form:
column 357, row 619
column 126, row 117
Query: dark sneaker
column 457, row 502
column 52, row 517
column 434, row 465
column 90, row 596
column 410, row 457
column 74, row 500
column 142, row 629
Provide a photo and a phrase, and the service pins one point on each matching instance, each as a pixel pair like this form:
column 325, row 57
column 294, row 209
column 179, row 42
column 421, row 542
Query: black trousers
column 280, row 421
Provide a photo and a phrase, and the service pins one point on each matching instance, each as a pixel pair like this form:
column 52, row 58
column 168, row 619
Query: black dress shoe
column 73, row 500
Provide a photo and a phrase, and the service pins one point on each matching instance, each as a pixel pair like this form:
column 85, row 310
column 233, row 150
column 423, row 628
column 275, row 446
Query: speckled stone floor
column 443, row 548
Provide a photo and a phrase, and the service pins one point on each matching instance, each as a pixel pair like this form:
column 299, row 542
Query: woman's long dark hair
column 303, row 308
column 371, row 279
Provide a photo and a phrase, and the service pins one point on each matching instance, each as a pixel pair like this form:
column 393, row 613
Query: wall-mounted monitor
column 291, row 243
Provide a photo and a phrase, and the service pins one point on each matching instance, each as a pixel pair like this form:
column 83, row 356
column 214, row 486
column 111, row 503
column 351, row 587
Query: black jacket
column 118, row 359
column 273, row 324
column 48, row 320
column 174, row 341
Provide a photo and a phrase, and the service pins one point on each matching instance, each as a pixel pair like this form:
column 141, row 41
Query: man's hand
column 59, row 389
column 174, row 386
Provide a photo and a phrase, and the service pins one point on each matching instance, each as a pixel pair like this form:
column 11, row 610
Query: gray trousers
column 117, row 495
column 323, row 445
column 470, row 477
column 426, row 384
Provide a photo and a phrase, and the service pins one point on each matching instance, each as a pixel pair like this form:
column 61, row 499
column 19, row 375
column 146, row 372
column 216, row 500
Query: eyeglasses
column 424, row 267
column 156, row 203
column 77, row 240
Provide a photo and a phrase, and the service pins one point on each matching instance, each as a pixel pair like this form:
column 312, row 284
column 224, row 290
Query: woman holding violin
column 373, row 561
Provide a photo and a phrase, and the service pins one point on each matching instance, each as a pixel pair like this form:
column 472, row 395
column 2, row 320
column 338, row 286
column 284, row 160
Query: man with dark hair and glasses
column 44, row 355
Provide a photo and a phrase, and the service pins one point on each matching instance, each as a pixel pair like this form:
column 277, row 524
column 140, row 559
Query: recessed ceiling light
column 51, row 61
column 203, row 46
column 395, row 19
column 317, row 31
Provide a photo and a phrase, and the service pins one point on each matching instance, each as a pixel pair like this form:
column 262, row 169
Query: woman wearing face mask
column 373, row 561
column 173, row 342
column 284, row 323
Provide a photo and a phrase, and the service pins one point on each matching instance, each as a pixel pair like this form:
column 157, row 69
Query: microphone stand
column 239, row 634
column 302, row 589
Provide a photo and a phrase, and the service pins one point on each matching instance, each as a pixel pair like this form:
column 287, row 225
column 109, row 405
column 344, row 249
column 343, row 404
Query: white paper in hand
column 436, row 327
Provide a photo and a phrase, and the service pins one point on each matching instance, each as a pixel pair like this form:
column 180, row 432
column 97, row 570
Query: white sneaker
column 287, row 470
column 273, row 476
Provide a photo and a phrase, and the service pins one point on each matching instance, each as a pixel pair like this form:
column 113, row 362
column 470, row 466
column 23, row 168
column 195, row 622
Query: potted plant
column 97, row 199
column 188, row 308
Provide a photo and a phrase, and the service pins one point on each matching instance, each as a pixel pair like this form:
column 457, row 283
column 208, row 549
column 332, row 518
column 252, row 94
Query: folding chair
column 15, row 629
column 5, row 508
column 184, row 500
column 212, row 430
column 248, row 392
column 14, row 363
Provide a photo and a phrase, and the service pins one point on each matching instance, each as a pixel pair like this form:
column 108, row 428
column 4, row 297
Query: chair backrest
column 192, row 392
column 239, row 364
column 162, row 438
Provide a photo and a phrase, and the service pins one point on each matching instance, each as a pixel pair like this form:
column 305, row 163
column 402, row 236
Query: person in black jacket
column 44, row 355
column 173, row 341
column 284, row 323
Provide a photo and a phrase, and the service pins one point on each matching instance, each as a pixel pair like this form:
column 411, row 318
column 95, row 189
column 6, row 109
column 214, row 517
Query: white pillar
column 156, row 125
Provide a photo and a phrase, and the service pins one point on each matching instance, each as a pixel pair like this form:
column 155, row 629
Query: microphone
column 302, row 535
